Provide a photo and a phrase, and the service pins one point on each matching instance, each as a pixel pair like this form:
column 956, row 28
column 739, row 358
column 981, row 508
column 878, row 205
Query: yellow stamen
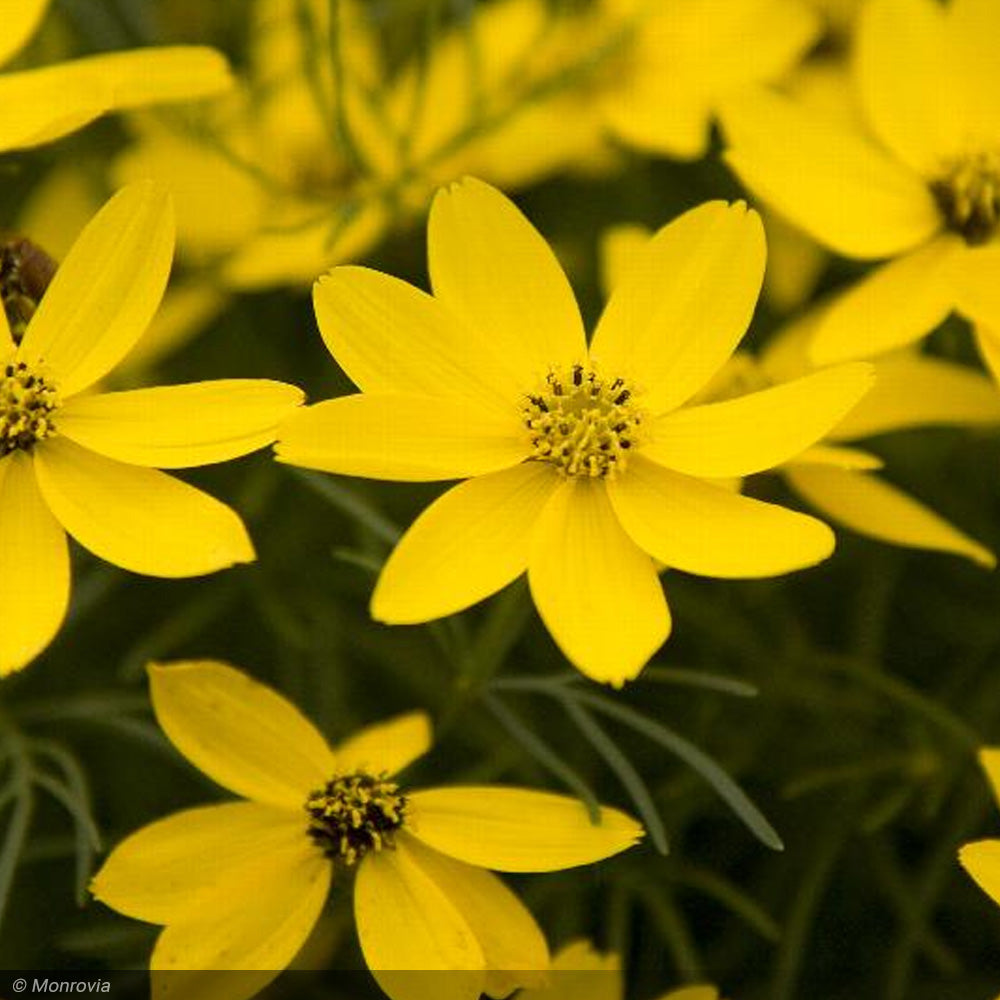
column 27, row 401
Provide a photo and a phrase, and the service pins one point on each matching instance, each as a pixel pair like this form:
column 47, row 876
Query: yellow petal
column 702, row 528
column 989, row 760
column 34, row 566
column 403, row 437
column 837, row 455
column 973, row 27
column 977, row 290
column 41, row 105
column 171, row 870
column 595, row 589
column 896, row 304
column 391, row 337
column 868, row 505
column 692, row 993
column 760, row 430
column 517, row 830
column 981, row 860
column 581, row 973
column 493, row 270
column 654, row 118
column 916, row 391
column 409, row 930
column 20, row 20
column 140, row 519
column 831, row 181
column 240, row 733
column 7, row 345
column 679, row 313
column 467, row 545
column 513, row 946
column 988, row 344
column 619, row 252
column 179, row 426
column 795, row 264
column 106, row 291
column 385, row 746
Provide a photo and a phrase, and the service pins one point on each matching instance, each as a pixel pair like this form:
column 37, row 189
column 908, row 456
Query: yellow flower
column 39, row 105
column 239, row 886
column 833, row 476
column 87, row 464
column 584, row 461
column 915, row 177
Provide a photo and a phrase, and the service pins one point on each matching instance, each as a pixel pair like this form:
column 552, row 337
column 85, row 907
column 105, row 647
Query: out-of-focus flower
column 981, row 859
column 87, row 464
column 240, row 886
column 834, row 476
column 916, row 178
column 585, row 464
column 40, row 105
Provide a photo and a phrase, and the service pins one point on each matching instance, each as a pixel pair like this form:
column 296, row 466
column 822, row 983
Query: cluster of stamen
column 583, row 424
column 354, row 814
column 27, row 402
column 968, row 195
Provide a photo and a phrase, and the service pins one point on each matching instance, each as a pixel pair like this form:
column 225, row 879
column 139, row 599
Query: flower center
column 354, row 814
column 25, row 273
column 27, row 401
column 583, row 424
column 968, row 194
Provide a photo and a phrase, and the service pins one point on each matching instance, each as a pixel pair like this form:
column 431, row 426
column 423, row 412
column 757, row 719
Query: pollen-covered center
column 968, row 194
column 354, row 814
column 27, row 402
column 582, row 423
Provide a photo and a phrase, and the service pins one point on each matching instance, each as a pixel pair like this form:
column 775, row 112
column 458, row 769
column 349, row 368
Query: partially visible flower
column 240, row 886
column 586, row 467
column 40, row 105
column 981, row 859
column 87, row 464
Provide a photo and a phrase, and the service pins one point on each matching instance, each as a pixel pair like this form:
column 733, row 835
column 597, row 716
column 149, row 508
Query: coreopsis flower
column 583, row 465
column 914, row 178
column 87, row 463
column 239, row 886
column 39, row 105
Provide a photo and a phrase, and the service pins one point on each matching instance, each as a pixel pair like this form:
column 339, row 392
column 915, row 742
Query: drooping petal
column 870, row 506
column 106, row 291
column 240, row 733
column 831, row 181
column 41, row 105
column 140, row 519
column 989, row 760
column 385, row 746
column 494, row 271
column 896, row 304
column 414, row 939
column 180, row 426
column 687, row 300
column 701, row 528
column 20, row 19
column 977, row 290
column 34, row 566
column 467, row 545
column 517, row 830
column 403, row 437
column 169, row 871
column 837, row 455
column 760, row 430
column 595, row 589
column 981, row 860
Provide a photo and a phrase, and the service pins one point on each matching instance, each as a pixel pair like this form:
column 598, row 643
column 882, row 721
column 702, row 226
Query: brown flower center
column 968, row 194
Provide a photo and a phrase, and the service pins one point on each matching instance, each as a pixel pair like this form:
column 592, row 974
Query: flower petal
column 760, row 430
column 170, row 870
column 896, row 304
column 494, row 271
column 240, row 733
column 620, row 249
column 179, row 426
column 140, row 519
column 870, row 506
column 701, row 528
column 988, row 345
column 20, row 19
column 981, row 860
column 837, row 455
column 973, row 27
column 106, row 291
column 679, row 313
column 470, row 543
column 977, row 290
column 385, row 746
column 831, row 181
column 414, row 939
column 595, row 589
column 989, row 760
column 34, row 566
column 517, row 830
column 402, row 437
column 7, row 345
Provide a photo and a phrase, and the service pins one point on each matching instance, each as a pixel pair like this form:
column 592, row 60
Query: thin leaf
column 349, row 503
column 699, row 678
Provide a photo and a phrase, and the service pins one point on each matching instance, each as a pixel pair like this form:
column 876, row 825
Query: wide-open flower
column 586, row 469
column 87, row 464
column 239, row 886
column 39, row 105
column 915, row 177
